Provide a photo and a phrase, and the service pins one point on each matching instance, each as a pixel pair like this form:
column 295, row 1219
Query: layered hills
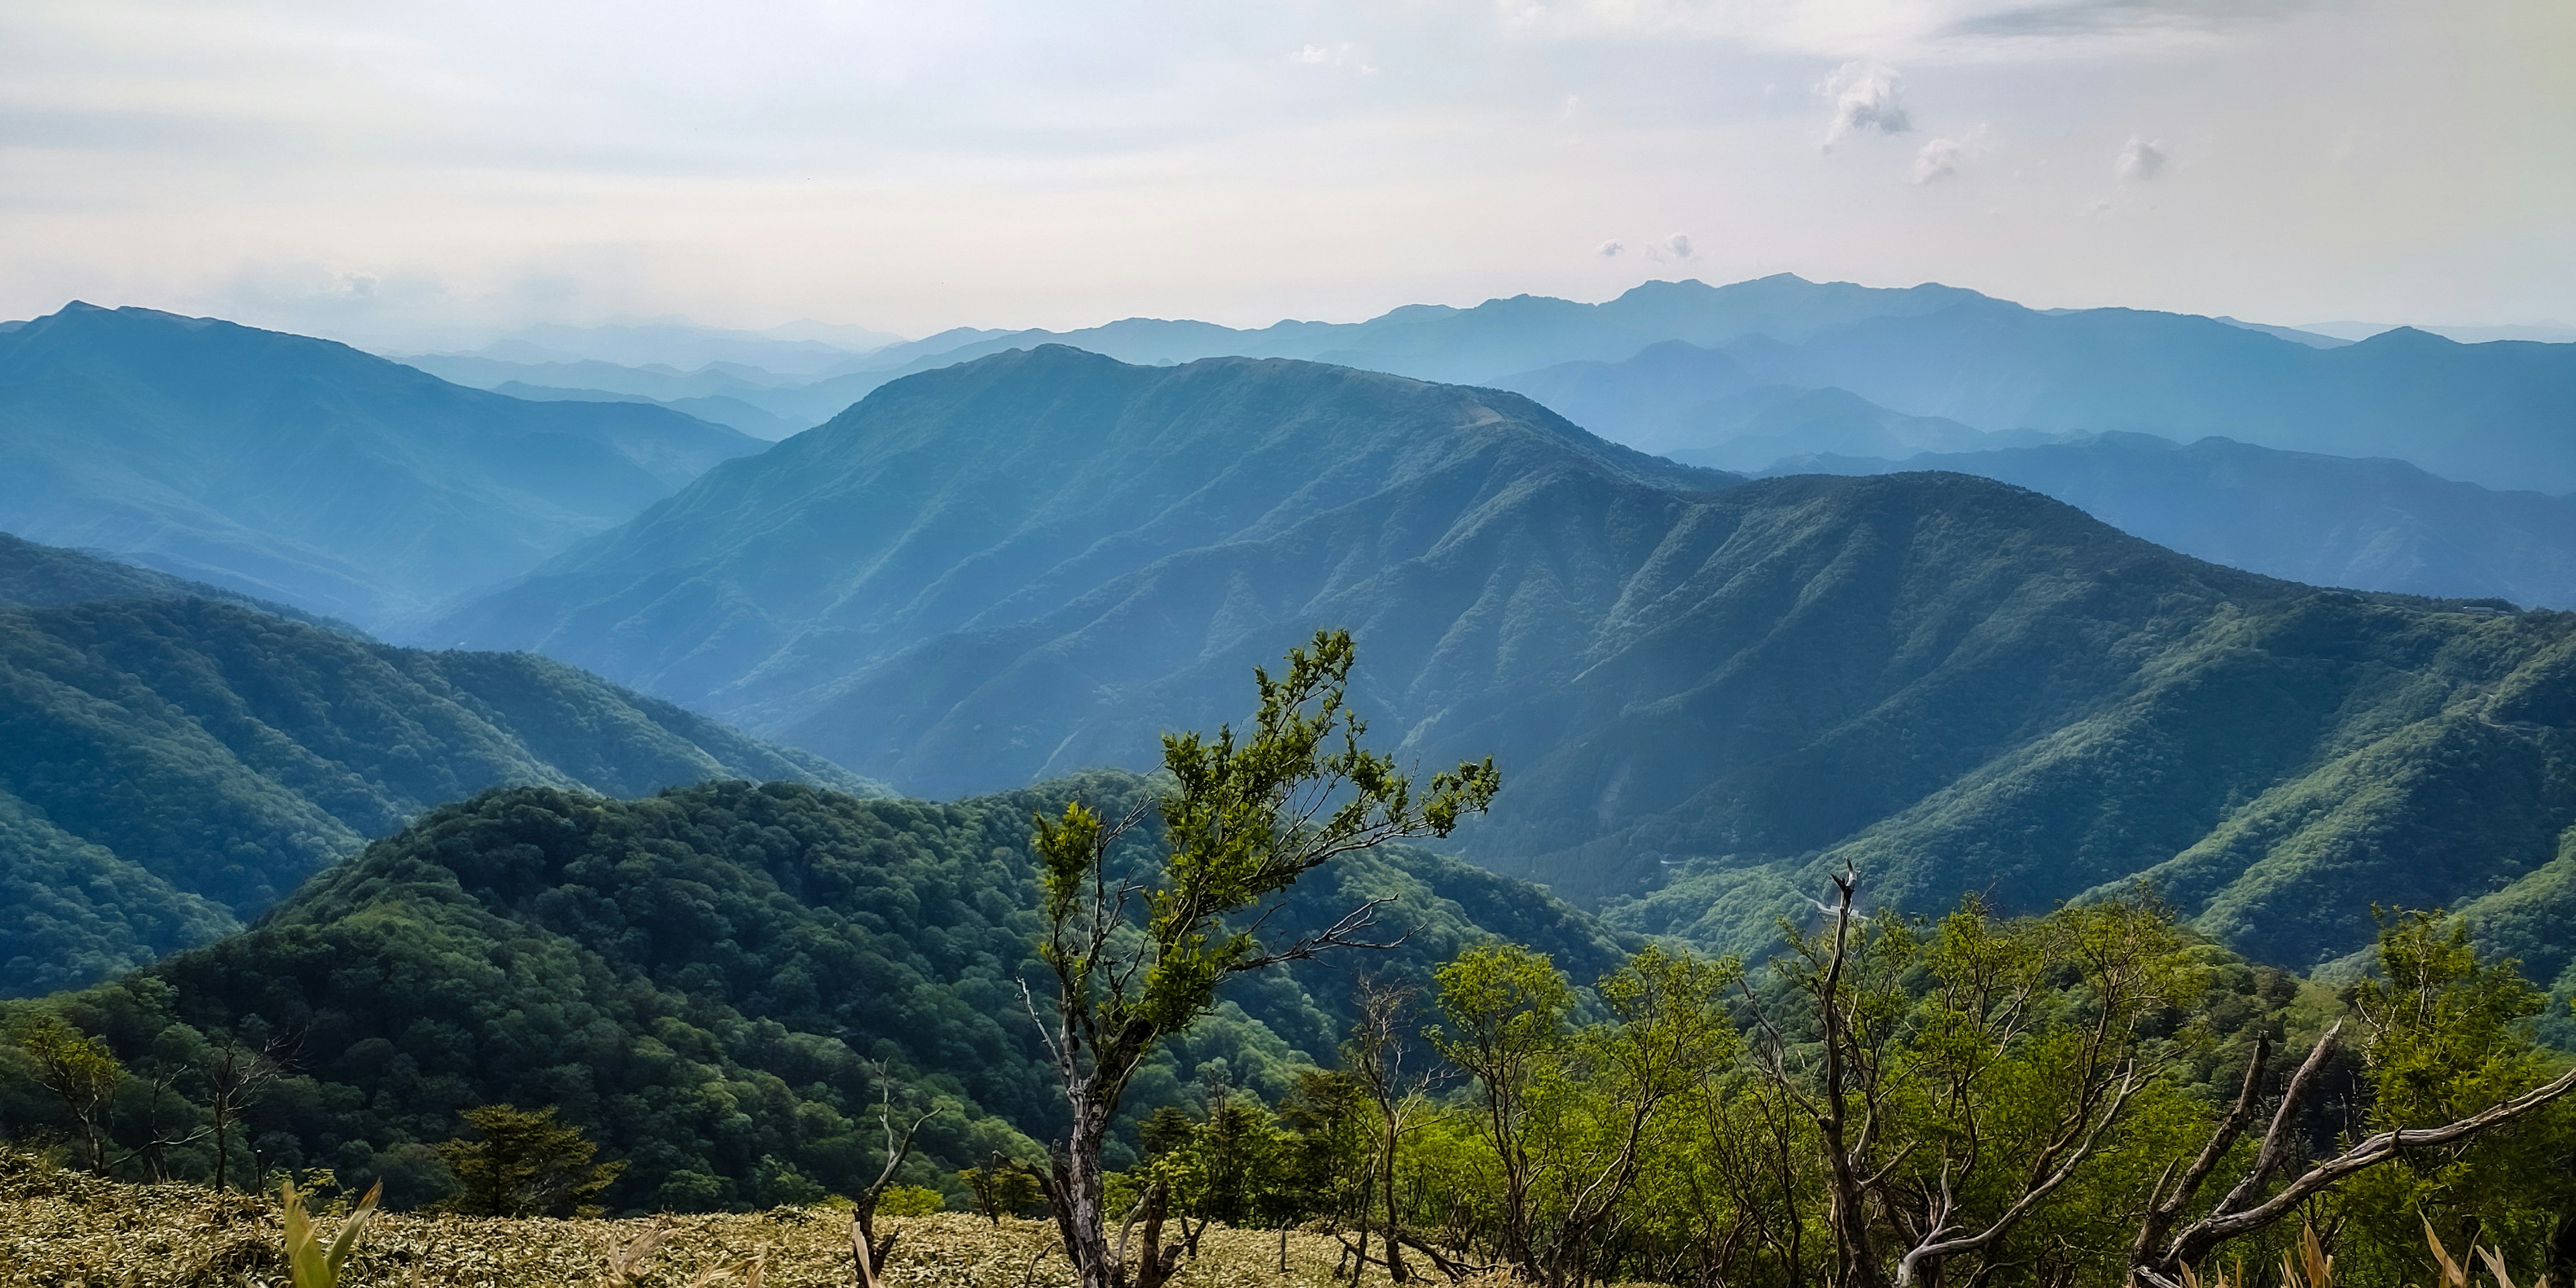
column 2485, row 413
column 305, row 471
column 175, row 763
column 2328, row 520
column 1699, row 689
column 720, row 983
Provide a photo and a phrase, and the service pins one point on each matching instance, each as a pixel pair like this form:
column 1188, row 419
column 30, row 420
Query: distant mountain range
column 2493, row 414
column 2489, row 413
column 177, row 760
column 2327, row 520
column 308, row 472
column 1700, row 689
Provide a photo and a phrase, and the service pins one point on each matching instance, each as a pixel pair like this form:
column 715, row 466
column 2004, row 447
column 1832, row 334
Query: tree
column 1571, row 1115
column 79, row 1071
column 1504, row 1010
column 902, row 1128
column 525, row 1164
column 236, row 1076
column 1137, row 956
column 2450, row 1061
column 1962, row 1078
column 1003, row 1189
column 1375, row 1054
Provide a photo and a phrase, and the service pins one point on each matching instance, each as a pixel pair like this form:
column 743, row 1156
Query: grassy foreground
column 61, row 1228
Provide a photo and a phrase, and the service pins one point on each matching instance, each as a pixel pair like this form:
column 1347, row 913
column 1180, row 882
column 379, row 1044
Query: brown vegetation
column 60, row 1228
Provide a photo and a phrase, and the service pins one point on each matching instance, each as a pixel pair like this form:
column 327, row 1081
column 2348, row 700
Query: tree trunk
column 1395, row 1267
column 1073, row 1188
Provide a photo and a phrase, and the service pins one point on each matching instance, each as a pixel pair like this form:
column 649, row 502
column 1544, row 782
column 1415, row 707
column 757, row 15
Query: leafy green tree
column 1572, row 1114
column 525, row 1163
column 2448, row 1035
column 1003, row 1189
column 1137, row 956
column 79, row 1071
column 1504, row 1010
column 2450, row 1062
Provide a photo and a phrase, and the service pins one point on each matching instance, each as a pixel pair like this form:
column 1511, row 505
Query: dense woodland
column 737, row 996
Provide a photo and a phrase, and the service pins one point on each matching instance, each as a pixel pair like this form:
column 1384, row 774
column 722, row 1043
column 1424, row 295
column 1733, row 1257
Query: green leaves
column 525, row 1164
column 1247, row 816
column 311, row 1262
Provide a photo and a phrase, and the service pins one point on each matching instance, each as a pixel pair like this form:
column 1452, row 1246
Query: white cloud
column 1611, row 248
column 1940, row 159
column 1674, row 248
column 2141, row 160
column 1864, row 96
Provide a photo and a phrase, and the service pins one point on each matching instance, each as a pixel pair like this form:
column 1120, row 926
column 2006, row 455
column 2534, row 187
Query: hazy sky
column 421, row 173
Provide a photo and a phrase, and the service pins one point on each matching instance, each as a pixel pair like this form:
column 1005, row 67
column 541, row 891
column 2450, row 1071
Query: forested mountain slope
column 305, row 471
column 175, row 764
column 1697, row 690
column 699, row 978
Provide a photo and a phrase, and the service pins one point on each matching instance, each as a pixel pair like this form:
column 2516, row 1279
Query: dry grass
column 60, row 1229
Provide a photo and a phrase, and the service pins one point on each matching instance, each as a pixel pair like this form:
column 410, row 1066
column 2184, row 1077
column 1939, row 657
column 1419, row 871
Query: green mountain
column 700, row 978
column 1698, row 690
column 177, row 764
column 308, row 472
column 2328, row 520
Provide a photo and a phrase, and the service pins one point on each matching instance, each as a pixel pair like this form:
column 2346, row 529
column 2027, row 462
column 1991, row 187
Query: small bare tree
column 902, row 1126
column 1245, row 819
column 1376, row 1056
column 236, row 1076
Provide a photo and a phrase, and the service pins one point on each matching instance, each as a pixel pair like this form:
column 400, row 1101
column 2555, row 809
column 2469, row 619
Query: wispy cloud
column 2141, row 160
column 1940, row 159
column 1864, row 98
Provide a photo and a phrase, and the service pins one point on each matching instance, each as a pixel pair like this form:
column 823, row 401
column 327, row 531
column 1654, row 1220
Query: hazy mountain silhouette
column 2328, row 520
column 2494, row 414
column 305, row 471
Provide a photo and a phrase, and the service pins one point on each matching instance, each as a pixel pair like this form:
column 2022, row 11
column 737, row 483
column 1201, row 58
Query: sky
column 416, row 176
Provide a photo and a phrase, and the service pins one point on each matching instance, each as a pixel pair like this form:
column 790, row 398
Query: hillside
column 701, row 977
column 176, row 764
column 307, row 472
column 1697, row 690
column 2327, row 520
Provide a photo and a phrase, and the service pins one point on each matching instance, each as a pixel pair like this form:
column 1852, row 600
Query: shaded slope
column 997, row 492
column 305, row 471
column 698, row 977
column 176, row 763
column 1696, row 692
